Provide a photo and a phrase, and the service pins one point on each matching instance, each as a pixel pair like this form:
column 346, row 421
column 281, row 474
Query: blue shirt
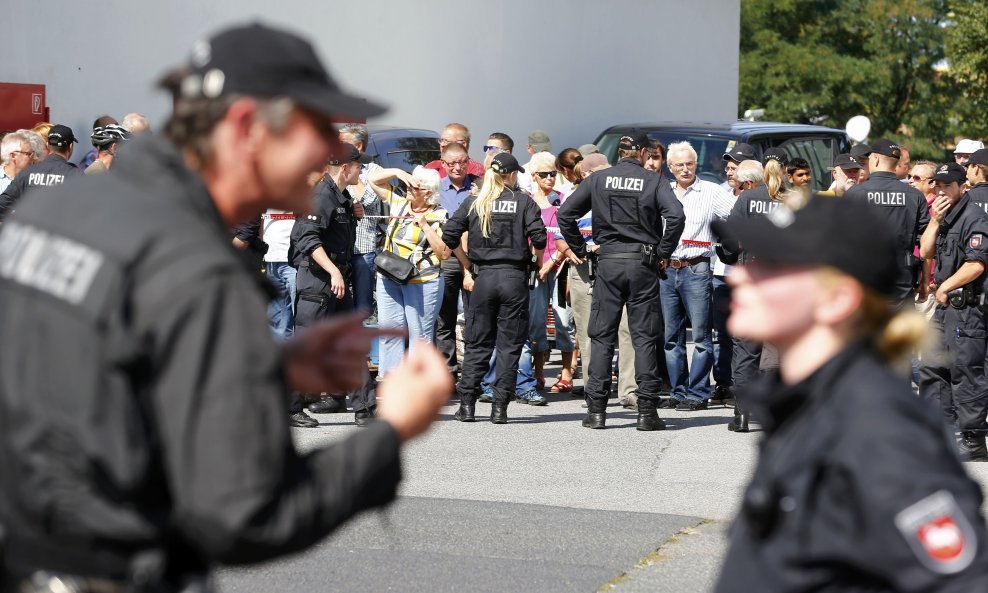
column 450, row 197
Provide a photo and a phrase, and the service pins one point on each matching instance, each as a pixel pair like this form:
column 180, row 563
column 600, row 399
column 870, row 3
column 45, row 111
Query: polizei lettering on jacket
column 44, row 179
column 886, row 198
column 56, row 265
column 624, row 184
column 504, row 207
column 760, row 207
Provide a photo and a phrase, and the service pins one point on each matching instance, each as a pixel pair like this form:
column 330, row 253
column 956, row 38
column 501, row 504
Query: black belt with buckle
column 683, row 263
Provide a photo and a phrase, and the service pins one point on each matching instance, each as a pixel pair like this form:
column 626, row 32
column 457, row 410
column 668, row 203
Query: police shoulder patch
column 938, row 533
column 976, row 240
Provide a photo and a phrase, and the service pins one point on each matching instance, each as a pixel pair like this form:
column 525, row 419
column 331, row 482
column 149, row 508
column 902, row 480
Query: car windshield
column 709, row 152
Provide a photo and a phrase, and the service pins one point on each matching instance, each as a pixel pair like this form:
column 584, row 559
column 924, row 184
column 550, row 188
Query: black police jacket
column 144, row 403
column 979, row 196
column 963, row 237
column 751, row 203
column 857, row 488
column 515, row 220
column 332, row 226
column 629, row 205
column 907, row 212
column 54, row 170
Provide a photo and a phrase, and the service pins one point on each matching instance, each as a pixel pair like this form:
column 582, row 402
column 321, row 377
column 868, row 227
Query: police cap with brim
column 860, row 151
column 348, row 153
column 60, row 136
column 775, row 154
column 259, row 61
column 950, row 173
column 505, row 163
column 978, row 157
column 887, row 148
column 633, row 139
column 740, row 152
column 846, row 162
column 847, row 235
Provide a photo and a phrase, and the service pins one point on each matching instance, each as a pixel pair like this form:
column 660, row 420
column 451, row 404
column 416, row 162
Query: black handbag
column 391, row 264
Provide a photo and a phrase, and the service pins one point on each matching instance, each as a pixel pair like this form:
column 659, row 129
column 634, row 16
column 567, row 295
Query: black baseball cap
column 951, row 173
column 505, row 163
column 805, row 237
column 260, row 61
column 740, row 152
column 348, row 153
column 633, row 139
column 846, row 161
column 886, row 147
column 860, row 151
column 978, row 157
column 775, row 154
column 60, row 136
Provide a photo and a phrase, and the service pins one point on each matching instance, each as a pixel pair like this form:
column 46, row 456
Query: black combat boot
column 972, row 447
column 364, row 417
column 741, row 415
column 596, row 413
column 499, row 412
column 465, row 412
column 648, row 418
column 328, row 404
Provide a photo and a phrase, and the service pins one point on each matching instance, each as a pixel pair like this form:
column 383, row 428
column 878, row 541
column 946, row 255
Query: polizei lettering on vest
column 504, row 207
column 624, row 184
column 882, row 198
column 759, row 207
column 44, row 179
column 56, row 265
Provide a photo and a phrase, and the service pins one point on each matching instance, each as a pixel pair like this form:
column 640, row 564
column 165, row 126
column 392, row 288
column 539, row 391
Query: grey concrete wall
column 568, row 67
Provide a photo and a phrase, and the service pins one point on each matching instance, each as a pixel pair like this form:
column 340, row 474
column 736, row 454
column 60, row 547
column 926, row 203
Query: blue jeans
column 363, row 279
column 411, row 306
column 688, row 291
column 723, row 345
column 281, row 310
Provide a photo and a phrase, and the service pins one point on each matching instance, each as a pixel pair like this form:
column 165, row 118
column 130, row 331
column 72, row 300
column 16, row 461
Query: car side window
column 819, row 153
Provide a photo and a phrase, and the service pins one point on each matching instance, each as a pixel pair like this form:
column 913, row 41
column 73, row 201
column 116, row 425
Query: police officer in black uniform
column 954, row 377
column 629, row 206
column 903, row 206
column 977, row 178
column 143, row 416
column 320, row 248
column 506, row 237
column 55, row 169
column 856, row 488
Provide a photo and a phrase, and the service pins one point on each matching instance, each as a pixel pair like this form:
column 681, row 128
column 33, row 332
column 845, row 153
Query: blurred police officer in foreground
column 954, row 377
column 903, row 206
column 857, row 486
column 629, row 205
column 144, row 433
column 321, row 249
column 506, row 235
column 55, row 169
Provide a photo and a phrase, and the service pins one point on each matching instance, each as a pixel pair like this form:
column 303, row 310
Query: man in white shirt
column 16, row 155
column 688, row 286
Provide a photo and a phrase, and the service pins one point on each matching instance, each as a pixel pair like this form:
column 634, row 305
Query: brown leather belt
column 683, row 263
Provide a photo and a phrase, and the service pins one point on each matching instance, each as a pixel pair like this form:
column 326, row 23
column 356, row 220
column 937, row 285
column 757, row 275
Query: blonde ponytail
column 490, row 190
column 775, row 179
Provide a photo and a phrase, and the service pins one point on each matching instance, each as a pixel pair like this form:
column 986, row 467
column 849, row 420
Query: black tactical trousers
column 497, row 317
column 953, row 376
column 747, row 358
column 315, row 301
column 620, row 283
column 446, row 320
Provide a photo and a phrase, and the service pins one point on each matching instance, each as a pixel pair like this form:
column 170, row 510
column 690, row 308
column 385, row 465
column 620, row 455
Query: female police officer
column 857, row 486
column 501, row 220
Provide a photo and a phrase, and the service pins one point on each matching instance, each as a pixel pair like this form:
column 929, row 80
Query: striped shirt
column 408, row 241
column 703, row 202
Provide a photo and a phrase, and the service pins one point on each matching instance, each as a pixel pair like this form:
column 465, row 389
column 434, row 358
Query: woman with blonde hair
column 506, row 234
column 414, row 233
column 857, row 486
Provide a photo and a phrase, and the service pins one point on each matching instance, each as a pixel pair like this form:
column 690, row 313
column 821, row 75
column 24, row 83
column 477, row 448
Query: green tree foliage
column 967, row 47
column 824, row 61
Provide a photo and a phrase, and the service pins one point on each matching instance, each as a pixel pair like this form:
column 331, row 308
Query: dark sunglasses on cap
column 546, row 174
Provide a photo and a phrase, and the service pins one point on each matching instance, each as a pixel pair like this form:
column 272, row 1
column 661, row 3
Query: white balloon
column 858, row 128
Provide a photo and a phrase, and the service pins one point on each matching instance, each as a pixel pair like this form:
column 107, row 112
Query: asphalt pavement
column 539, row 504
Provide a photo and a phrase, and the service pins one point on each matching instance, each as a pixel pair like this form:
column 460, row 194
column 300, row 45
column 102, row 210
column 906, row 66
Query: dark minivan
column 403, row 148
column 817, row 144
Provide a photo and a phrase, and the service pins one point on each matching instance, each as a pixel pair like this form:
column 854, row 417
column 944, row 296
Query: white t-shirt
column 276, row 231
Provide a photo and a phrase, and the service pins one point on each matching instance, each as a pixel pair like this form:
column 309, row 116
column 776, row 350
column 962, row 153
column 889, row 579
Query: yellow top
column 408, row 241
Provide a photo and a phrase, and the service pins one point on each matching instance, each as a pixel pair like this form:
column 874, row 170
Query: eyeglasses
column 682, row 165
column 547, row 174
column 25, row 153
column 496, row 149
column 447, row 141
column 454, row 164
column 917, row 178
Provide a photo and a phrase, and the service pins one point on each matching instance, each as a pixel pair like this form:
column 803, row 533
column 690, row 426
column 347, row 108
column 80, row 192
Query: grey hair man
column 15, row 155
column 136, row 123
column 749, row 174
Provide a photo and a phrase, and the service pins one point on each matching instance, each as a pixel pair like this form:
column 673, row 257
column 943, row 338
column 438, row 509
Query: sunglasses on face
column 496, row 149
column 917, row 178
column 546, row 174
